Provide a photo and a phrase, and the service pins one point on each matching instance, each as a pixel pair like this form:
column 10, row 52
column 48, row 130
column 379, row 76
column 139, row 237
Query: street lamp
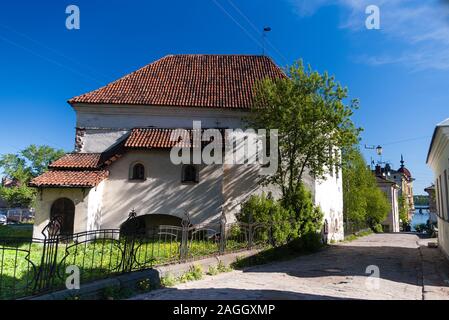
column 379, row 150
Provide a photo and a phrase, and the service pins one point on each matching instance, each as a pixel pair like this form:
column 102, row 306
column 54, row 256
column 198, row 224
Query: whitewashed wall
column 105, row 124
column 329, row 196
column 162, row 192
column 50, row 195
column 438, row 161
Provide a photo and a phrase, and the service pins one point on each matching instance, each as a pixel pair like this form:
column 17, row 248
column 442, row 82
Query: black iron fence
column 34, row 266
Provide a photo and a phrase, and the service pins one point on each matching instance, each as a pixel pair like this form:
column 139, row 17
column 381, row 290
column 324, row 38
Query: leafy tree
column 363, row 201
column 22, row 167
column 403, row 209
column 313, row 120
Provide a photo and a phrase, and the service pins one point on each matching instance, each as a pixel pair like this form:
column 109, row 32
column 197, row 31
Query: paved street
column 334, row 273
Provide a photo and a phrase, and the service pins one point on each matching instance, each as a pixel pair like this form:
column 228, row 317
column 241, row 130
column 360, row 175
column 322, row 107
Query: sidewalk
column 435, row 269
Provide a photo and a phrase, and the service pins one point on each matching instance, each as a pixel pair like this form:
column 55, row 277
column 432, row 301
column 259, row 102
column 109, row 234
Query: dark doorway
column 64, row 208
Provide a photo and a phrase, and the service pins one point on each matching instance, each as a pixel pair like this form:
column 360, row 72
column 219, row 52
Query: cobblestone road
column 338, row 272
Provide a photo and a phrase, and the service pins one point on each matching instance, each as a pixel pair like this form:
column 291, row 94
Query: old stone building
column 123, row 141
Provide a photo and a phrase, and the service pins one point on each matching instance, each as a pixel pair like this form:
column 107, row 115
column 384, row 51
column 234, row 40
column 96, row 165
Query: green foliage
column 24, row 231
column 307, row 217
column 421, row 200
column 378, row 206
column 377, row 228
column 145, row 285
column 313, row 120
column 29, row 162
column 221, row 267
column 263, row 209
column 22, row 167
column 290, row 218
column 212, row 271
column 116, row 293
column 21, row 196
column 403, row 209
column 363, row 201
column 357, row 235
column 168, row 281
column 195, row 273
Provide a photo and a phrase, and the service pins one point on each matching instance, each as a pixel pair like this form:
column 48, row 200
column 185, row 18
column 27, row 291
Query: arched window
column 64, row 208
column 190, row 173
column 138, row 172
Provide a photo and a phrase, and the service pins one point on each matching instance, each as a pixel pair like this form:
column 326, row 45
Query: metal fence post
column 222, row 234
column 250, row 231
column 185, row 224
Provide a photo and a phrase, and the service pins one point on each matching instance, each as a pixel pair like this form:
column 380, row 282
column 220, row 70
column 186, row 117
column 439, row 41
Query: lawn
column 96, row 259
column 16, row 231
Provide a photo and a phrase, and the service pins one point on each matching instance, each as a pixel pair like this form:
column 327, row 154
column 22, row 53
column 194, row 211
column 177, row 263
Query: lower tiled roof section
column 77, row 161
column 164, row 138
column 70, row 179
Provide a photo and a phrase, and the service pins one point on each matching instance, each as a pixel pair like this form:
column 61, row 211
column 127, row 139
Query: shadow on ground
column 230, row 294
column 398, row 262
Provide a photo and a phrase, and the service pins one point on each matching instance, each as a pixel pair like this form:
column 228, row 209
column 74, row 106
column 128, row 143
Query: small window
column 190, row 173
column 138, row 172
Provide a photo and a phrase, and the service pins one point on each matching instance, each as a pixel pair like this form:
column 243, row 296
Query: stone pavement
column 338, row 272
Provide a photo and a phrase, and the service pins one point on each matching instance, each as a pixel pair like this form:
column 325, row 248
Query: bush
column 308, row 217
column 309, row 242
column 377, row 228
column 195, row 273
column 294, row 216
column 168, row 281
column 263, row 209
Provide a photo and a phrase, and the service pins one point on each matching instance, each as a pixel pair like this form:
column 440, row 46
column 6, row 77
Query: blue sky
column 399, row 73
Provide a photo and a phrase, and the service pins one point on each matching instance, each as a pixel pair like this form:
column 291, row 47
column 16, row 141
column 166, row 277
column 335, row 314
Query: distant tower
column 402, row 161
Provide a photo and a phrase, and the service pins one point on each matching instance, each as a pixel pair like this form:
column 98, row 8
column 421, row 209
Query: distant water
column 418, row 217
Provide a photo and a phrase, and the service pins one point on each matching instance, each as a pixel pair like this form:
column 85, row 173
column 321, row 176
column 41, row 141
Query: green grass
column 16, row 231
column 96, row 259
column 357, row 235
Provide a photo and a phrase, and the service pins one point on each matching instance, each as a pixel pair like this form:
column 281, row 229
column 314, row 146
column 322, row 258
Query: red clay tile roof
column 161, row 138
column 69, row 179
column 217, row 81
column 77, row 161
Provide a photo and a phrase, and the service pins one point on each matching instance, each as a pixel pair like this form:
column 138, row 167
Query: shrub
column 212, row 271
column 263, row 209
column 168, row 281
column 294, row 216
column 221, row 267
column 195, row 273
column 308, row 217
column 377, row 228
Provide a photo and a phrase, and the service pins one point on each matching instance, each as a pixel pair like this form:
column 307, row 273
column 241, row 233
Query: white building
column 122, row 154
column 391, row 191
column 437, row 159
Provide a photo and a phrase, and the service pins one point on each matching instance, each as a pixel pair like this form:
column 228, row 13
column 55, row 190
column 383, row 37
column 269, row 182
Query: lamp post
column 266, row 29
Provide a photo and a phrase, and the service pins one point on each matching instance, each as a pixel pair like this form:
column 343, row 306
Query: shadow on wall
column 167, row 195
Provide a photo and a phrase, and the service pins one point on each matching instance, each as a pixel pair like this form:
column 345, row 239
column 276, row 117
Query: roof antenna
column 264, row 34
